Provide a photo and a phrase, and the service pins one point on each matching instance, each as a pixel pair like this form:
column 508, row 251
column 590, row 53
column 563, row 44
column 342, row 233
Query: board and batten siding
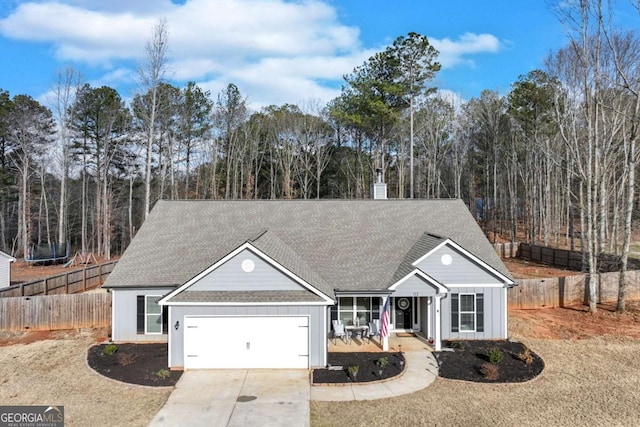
column 230, row 276
column 494, row 314
column 5, row 272
column 415, row 286
column 461, row 271
column 124, row 320
column 425, row 321
column 317, row 328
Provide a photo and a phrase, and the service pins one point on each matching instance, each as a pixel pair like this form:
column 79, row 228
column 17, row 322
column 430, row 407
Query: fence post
column 99, row 275
column 84, row 278
column 66, row 283
column 46, row 288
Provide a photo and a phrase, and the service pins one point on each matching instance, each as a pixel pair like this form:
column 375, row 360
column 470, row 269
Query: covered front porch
column 398, row 341
column 409, row 315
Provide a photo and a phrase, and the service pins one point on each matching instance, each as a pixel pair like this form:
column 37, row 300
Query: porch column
column 436, row 335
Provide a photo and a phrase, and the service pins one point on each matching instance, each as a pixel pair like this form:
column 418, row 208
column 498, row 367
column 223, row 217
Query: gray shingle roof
column 246, row 296
column 269, row 243
column 338, row 244
column 425, row 243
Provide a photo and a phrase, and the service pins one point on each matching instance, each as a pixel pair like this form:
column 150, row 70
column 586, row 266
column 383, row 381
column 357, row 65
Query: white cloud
column 275, row 50
column 455, row 52
column 272, row 48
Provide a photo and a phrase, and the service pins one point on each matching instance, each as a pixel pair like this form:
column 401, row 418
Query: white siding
column 231, row 277
column 461, row 270
column 5, row 272
column 124, row 322
column 414, row 286
column 494, row 315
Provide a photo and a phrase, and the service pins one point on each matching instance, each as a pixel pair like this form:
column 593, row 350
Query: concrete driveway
column 238, row 398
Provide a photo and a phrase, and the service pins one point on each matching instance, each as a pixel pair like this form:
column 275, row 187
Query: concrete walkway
column 421, row 369
column 238, row 398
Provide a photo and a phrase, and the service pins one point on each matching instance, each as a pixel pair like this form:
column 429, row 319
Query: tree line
column 553, row 161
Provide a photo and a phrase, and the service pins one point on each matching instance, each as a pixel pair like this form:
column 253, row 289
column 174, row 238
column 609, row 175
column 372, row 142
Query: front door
column 404, row 311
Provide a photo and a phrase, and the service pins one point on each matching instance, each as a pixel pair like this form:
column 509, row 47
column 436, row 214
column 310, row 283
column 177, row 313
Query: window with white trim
column 467, row 312
column 151, row 317
column 362, row 308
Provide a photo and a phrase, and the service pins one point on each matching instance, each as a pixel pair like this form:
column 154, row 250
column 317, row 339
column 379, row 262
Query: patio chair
column 373, row 330
column 338, row 331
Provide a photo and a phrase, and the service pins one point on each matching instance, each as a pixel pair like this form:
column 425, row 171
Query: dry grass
column 54, row 372
column 586, row 382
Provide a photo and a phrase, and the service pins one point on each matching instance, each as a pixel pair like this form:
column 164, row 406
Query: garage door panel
column 247, row 342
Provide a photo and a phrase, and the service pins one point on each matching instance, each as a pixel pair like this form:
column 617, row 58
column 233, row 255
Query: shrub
column 526, row 356
column 382, row 362
column 489, row 372
column 110, row 349
column 456, row 345
column 495, row 356
column 353, row 371
column 126, row 358
column 163, row 373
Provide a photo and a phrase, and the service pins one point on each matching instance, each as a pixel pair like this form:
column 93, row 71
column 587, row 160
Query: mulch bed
column 468, row 358
column 368, row 369
column 134, row 364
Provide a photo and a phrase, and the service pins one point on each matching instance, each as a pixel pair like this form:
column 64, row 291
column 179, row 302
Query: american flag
column 384, row 323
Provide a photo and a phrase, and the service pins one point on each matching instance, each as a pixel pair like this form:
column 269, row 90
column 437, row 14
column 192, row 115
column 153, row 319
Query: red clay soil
column 576, row 322
column 522, row 269
column 28, row 337
column 22, row 271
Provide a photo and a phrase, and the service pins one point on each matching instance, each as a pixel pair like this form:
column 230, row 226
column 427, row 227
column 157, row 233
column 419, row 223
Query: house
column 255, row 284
column 5, row 269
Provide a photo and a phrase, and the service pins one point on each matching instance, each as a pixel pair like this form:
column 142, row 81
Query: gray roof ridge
column 421, row 247
column 258, row 235
column 437, row 236
column 272, row 245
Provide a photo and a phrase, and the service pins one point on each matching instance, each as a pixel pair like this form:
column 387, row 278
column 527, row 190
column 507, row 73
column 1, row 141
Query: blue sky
column 275, row 51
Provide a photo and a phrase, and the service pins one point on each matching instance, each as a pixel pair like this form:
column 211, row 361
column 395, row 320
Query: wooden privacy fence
column 66, row 283
column 552, row 256
column 569, row 290
column 45, row 313
column 507, row 250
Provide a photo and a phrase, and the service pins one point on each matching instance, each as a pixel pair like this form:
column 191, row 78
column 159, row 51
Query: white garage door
column 246, row 342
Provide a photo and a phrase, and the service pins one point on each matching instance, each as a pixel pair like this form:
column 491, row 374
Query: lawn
column 54, row 371
column 592, row 381
column 591, row 377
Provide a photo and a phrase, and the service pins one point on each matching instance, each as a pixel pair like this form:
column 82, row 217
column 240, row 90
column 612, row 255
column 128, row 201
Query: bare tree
column 229, row 115
column 151, row 75
column 624, row 56
column 32, row 130
column 64, row 93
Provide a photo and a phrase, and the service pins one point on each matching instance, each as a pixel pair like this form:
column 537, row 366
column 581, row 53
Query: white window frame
column 474, row 312
column 146, row 315
column 354, row 308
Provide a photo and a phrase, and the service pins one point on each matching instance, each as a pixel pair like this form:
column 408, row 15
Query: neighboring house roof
column 343, row 245
column 7, row 256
